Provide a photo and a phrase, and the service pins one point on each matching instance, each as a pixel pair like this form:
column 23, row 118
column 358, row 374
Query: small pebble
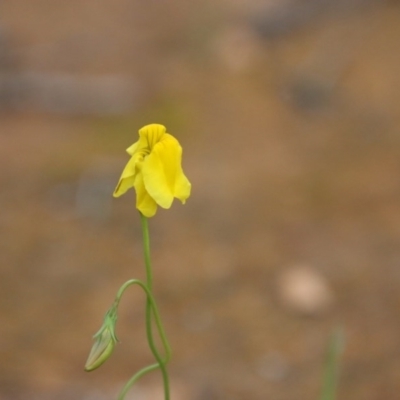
column 304, row 290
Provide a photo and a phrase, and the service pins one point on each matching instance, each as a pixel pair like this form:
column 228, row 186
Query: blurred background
column 289, row 115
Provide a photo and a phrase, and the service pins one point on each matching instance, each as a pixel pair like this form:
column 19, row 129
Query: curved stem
column 149, row 330
column 135, row 378
column 160, row 328
column 156, row 313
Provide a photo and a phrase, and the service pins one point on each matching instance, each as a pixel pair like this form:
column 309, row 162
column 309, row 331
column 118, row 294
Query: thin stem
column 335, row 349
column 149, row 281
column 135, row 378
column 160, row 328
column 154, row 307
column 146, row 248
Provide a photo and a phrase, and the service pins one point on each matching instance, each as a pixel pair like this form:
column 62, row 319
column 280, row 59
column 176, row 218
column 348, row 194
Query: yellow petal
column 144, row 202
column 182, row 187
column 177, row 180
column 127, row 178
column 152, row 133
column 161, row 169
column 132, row 149
column 140, row 146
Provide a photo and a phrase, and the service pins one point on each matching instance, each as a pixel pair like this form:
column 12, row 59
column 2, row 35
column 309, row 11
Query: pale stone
column 304, row 290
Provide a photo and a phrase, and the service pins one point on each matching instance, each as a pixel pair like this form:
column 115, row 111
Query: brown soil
column 294, row 159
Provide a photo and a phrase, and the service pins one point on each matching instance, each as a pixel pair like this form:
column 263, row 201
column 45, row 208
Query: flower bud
column 105, row 340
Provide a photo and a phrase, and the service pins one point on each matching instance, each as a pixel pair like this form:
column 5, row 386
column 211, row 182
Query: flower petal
column 182, row 187
column 132, row 149
column 152, row 134
column 177, row 180
column 127, row 178
column 144, row 202
column 162, row 172
column 140, row 146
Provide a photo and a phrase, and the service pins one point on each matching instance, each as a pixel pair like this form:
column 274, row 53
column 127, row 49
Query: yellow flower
column 154, row 170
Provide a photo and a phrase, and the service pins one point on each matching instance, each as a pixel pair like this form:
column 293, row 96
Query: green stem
column 154, row 307
column 135, row 378
column 331, row 374
column 146, row 248
column 161, row 331
column 149, row 282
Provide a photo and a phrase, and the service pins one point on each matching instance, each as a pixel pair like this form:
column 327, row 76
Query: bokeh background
column 289, row 115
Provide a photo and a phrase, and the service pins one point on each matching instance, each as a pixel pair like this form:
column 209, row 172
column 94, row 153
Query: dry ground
column 294, row 160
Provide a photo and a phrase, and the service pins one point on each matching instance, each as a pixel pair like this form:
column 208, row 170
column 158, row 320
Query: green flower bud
column 105, row 340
